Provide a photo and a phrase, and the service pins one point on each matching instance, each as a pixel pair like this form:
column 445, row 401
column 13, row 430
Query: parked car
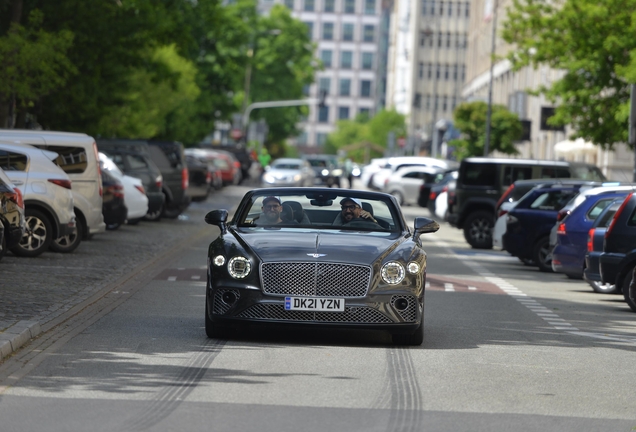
column 46, row 190
column 395, row 163
column 368, row 171
column 12, row 221
column 407, row 184
column 288, row 172
column 239, row 153
column 135, row 197
column 282, row 274
column 114, row 205
column 595, row 240
column 618, row 259
column 229, row 166
column 204, row 175
column 170, row 159
column 482, row 181
column 326, row 168
column 569, row 235
column 132, row 158
column 77, row 156
column 529, row 222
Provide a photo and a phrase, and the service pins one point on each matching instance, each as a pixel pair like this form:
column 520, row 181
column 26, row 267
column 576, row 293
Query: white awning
column 576, row 147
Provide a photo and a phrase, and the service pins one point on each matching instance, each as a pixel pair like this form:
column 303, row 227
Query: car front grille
column 364, row 315
column 315, row 279
column 410, row 313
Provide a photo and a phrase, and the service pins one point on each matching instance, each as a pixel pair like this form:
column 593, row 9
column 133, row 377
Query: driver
column 271, row 211
column 352, row 210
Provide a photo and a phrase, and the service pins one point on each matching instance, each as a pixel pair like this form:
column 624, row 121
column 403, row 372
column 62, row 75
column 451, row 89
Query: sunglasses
column 349, row 207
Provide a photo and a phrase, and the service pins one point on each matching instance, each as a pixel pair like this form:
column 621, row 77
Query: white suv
column 46, row 189
column 78, row 157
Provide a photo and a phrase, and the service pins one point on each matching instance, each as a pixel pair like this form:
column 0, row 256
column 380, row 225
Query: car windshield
column 286, row 165
column 319, row 210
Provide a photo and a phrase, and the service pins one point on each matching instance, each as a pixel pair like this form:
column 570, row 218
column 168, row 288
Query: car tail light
column 116, row 190
column 141, row 189
column 505, row 195
column 561, row 229
column 63, row 183
column 501, row 212
column 590, row 239
column 617, row 214
column 99, row 169
column 432, row 195
column 562, row 214
column 159, row 181
column 16, row 197
column 184, row 178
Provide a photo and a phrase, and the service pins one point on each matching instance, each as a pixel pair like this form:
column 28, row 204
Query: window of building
column 346, row 59
column 310, row 29
column 440, row 37
column 424, row 7
column 453, row 103
column 330, row 5
column 467, row 5
column 369, row 33
column 365, row 88
column 436, row 103
column 289, row 4
column 325, row 84
column 302, row 138
column 321, row 138
column 345, row 87
column 364, row 112
column 367, row 60
column 446, row 72
column 432, row 9
column 309, row 5
column 441, row 8
column 347, row 32
column 420, row 70
column 349, row 6
column 327, row 31
column 323, row 114
column 306, row 90
column 450, row 8
column 343, row 113
column 448, row 39
column 325, row 56
column 438, row 71
column 429, row 70
column 455, row 72
column 369, row 7
column 444, row 103
column 417, row 100
column 427, row 99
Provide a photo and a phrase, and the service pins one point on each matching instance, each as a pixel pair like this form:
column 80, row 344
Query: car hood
column 337, row 246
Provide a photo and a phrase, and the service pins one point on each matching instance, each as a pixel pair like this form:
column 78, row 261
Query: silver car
column 288, row 172
column 405, row 183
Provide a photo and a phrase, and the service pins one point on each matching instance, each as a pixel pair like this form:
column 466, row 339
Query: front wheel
column 38, row 234
column 602, row 288
column 542, row 255
column 478, row 229
column 213, row 330
column 155, row 215
column 69, row 243
column 629, row 289
column 413, row 339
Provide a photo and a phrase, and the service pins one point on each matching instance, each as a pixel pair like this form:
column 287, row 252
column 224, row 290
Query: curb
column 16, row 336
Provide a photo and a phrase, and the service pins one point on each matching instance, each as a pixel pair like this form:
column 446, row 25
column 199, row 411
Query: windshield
column 328, row 211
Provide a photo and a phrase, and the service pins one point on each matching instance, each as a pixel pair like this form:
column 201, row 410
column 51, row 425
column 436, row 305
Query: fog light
column 401, row 304
column 229, row 297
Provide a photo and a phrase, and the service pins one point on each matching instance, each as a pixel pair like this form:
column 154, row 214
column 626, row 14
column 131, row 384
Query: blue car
column 568, row 255
column 529, row 222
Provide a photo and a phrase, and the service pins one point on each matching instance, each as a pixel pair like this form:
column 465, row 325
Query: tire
column 38, row 235
column 69, row 243
column 478, row 229
column 414, row 339
column 398, row 196
column 542, row 255
column 154, row 216
column 601, row 288
column 213, row 330
column 629, row 290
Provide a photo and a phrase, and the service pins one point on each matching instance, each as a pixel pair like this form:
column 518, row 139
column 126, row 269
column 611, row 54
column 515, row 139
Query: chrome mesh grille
column 410, row 313
column 315, row 279
column 220, row 307
column 350, row 315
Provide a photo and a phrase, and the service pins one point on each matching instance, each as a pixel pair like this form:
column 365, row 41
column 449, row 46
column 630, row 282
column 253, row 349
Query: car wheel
column 602, row 288
column 413, row 339
column 398, row 196
column 69, row 243
column 38, row 234
column 213, row 330
column 478, row 230
column 629, row 290
column 155, row 215
column 542, row 255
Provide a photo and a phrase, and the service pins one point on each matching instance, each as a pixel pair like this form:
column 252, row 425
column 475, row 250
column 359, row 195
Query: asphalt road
column 506, row 348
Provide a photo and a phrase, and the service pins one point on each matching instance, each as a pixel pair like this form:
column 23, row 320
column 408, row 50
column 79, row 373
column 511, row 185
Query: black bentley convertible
column 321, row 257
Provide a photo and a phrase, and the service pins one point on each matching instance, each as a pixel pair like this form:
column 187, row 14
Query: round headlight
column 413, row 267
column 325, row 172
column 239, row 267
column 219, row 260
column 392, row 273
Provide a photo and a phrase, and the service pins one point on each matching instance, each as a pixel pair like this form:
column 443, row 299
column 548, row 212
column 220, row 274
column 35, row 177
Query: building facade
column 427, row 66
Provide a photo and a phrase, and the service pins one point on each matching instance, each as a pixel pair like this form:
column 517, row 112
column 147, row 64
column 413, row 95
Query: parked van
column 77, row 156
column 482, row 181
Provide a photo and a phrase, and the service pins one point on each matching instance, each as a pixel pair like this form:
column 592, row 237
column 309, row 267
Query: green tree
column 592, row 43
column 470, row 118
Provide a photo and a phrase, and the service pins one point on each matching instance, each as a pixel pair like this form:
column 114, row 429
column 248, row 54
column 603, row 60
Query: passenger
column 352, row 211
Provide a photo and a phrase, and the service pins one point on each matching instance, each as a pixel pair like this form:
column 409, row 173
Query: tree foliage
column 592, row 43
column 470, row 119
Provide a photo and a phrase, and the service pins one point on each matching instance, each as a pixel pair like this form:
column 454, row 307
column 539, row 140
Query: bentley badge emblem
column 315, row 255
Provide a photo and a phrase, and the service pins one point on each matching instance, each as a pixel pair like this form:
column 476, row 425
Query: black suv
column 170, row 158
column 618, row 259
column 482, row 181
column 328, row 172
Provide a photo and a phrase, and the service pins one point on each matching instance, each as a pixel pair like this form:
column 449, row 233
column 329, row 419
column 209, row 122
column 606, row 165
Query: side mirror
column 217, row 217
column 424, row 225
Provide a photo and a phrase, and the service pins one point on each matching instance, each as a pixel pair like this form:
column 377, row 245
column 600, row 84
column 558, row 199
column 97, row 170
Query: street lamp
column 492, row 66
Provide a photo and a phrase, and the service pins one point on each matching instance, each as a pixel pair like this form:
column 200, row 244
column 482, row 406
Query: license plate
column 316, row 304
